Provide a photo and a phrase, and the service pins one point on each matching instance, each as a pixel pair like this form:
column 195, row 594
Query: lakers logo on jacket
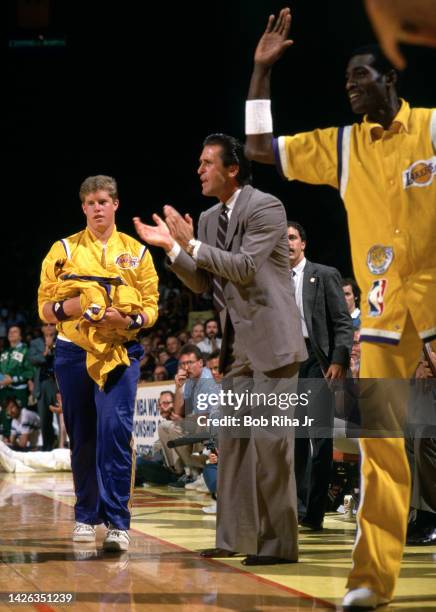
column 420, row 173
column 126, row 261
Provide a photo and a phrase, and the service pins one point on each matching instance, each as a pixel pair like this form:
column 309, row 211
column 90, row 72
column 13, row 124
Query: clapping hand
column 181, row 228
column 156, row 235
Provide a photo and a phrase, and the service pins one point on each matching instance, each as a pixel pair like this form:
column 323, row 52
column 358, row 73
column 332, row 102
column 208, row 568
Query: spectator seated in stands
column 5, row 423
column 210, row 475
column 148, row 362
column 25, row 426
column 154, row 469
column 352, row 298
column 41, row 356
column 212, row 363
column 197, row 332
column 355, row 355
column 184, row 338
column 211, row 341
column 162, row 355
column 192, row 380
column 56, row 408
column 15, row 368
column 160, row 374
column 210, row 470
column 172, row 346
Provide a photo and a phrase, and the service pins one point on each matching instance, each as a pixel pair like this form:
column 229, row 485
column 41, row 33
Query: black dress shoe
column 311, row 525
column 424, row 536
column 264, row 560
column 217, row 552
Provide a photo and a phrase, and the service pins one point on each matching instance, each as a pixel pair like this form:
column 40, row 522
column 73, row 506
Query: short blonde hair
column 95, row 183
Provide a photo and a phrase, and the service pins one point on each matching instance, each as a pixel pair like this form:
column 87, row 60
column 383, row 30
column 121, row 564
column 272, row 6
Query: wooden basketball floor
column 162, row 570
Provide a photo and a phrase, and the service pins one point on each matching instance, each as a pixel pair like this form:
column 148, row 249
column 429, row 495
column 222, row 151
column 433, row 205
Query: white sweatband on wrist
column 258, row 118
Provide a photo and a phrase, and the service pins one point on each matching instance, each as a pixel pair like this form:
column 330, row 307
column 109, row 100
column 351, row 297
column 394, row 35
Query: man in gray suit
column 242, row 253
column 328, row 332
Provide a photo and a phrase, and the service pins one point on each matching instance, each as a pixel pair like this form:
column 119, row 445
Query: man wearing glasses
column 192, row 380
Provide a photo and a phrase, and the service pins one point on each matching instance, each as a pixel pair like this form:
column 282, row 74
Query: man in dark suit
column 328, row 332
column 421, row 450
column 242, row 253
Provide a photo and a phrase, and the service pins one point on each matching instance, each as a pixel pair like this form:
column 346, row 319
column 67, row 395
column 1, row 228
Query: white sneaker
column 202, row 488
column 83, row 532
column 192, row 486
column 363, row 598
column 210, row 509
column 201, row 485
column 116, row 539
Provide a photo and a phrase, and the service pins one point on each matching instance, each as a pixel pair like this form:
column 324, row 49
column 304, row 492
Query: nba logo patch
column 376, row 297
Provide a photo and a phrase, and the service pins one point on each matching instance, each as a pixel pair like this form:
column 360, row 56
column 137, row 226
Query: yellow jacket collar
column 94, row 238
column 399, row 123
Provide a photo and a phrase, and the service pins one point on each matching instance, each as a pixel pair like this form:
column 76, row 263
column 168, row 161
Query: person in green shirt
column 15, row 367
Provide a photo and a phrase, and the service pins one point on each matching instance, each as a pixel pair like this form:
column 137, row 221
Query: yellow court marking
column 325, row 558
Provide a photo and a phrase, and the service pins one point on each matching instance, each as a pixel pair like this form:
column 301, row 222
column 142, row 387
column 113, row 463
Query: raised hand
column 274, row 40
column 181, row 229
column 156, row 235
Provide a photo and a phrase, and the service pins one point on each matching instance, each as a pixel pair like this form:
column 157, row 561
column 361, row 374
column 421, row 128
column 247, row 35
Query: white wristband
column 258, row 118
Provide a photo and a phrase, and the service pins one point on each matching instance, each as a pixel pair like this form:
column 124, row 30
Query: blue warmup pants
column 210, row 474
column 99, row 425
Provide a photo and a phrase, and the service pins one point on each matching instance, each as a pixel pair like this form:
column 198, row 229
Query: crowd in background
column 182, row 346
column 27, row 382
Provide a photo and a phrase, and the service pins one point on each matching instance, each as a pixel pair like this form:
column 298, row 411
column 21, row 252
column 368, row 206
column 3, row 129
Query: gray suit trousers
column 257, row 501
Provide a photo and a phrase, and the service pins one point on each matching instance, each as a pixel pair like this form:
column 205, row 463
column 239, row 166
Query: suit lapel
column 238, row 208
column 310, row 286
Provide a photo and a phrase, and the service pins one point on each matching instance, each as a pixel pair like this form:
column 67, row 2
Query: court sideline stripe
column 268, row 581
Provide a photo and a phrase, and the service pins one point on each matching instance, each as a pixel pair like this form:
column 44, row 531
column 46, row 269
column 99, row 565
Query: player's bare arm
column 270, row 48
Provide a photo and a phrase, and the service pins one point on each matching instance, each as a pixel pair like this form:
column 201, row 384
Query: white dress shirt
column 298, row 275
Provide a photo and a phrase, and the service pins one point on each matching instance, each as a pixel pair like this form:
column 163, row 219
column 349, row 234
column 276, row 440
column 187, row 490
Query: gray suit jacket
column 255, row 271
column 328, row 322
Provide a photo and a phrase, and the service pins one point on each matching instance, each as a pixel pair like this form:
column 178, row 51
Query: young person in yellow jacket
column 384, row 168
column 100, row 287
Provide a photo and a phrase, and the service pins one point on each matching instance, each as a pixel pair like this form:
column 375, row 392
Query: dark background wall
column 134, row 91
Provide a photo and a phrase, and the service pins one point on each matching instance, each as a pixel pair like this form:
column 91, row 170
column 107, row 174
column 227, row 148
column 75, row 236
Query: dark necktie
column 292, row 275
column 218, row 295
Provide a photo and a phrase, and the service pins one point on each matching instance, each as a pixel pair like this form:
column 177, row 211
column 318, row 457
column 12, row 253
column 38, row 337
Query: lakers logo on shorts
column 379, row 258
column 376, row 297
column 420, row 173
column 126, row 261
